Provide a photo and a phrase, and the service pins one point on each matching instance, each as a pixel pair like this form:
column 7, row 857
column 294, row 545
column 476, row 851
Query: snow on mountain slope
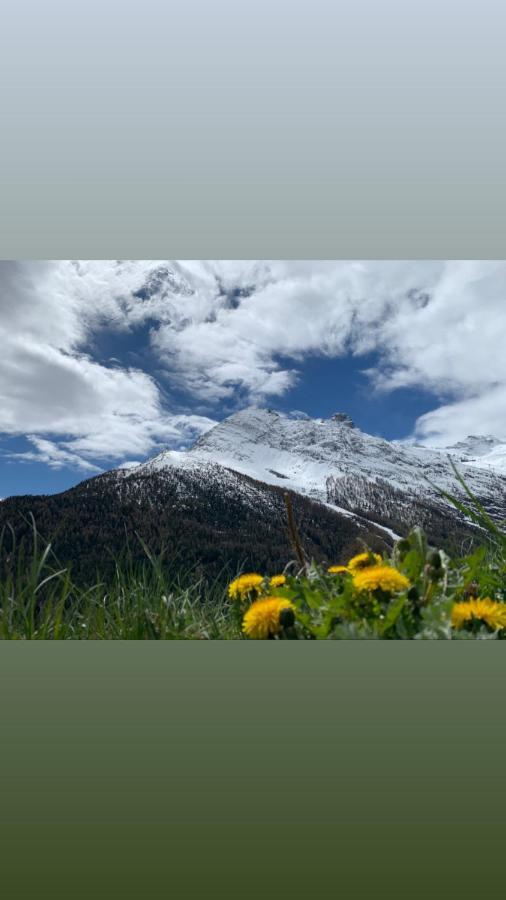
column 483, row 452
column 479, row 451
column 332, row 461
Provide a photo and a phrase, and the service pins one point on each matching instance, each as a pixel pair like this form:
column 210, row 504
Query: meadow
column 418, row 592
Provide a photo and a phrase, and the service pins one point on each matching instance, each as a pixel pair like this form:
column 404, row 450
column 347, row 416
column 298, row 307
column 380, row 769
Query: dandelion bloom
column 277, row 581
column 384, row 577
column 336, row 570
column 362, row 560
column 244, row 585
column 261, row 621
column 484, row 609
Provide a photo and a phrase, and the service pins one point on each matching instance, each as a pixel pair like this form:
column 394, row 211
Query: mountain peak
column 334, row 462
column 259, row 413
column 343, row 419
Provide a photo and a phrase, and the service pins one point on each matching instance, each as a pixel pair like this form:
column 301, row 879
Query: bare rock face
column 343, row 419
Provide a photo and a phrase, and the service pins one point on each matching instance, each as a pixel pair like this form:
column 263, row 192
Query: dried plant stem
column 294, row 535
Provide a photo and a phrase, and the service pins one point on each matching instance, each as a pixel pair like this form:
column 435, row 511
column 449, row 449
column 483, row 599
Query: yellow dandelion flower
column 262, row 618
column 362, row 560
column 384, row 577
column 336, row 570
column 277, row 581
column 483, row 609
column 244, row 585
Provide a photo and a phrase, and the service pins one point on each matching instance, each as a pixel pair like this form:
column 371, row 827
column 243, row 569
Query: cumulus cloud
column 295, row 309
column 50, row 384
column 224, row 334
column 452, row 341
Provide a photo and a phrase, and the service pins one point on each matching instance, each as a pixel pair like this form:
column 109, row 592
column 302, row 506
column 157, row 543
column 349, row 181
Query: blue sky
column 108, row 362
column 325, row 386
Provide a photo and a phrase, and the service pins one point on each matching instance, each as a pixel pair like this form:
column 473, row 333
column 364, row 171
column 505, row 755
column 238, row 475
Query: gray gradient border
column 253, row 130
column 318, row 130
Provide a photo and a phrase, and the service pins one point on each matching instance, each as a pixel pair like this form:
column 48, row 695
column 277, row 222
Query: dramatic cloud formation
column 51, row 385
column 452, row 341
column 224, row 334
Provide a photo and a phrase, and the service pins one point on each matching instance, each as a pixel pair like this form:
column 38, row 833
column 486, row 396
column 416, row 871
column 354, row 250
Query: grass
column 40, row 601
column 154, row 601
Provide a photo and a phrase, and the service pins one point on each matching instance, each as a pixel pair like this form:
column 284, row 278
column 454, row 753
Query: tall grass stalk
column 39, row 600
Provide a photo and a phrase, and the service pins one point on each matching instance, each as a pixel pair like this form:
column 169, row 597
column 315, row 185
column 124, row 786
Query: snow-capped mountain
column 219, row 506
column 204, row 519
column 334, row 462
column 484, row 452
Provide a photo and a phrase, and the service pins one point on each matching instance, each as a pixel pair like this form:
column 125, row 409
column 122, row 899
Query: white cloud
column 453, row 343
column 482, row 414
column 55, row 457
column 49, row 383
column 233, row 333
column 297, row 308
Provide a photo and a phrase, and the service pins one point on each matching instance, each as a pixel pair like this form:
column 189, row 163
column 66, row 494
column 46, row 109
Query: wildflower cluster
column 418, row 593
column 260, row 613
